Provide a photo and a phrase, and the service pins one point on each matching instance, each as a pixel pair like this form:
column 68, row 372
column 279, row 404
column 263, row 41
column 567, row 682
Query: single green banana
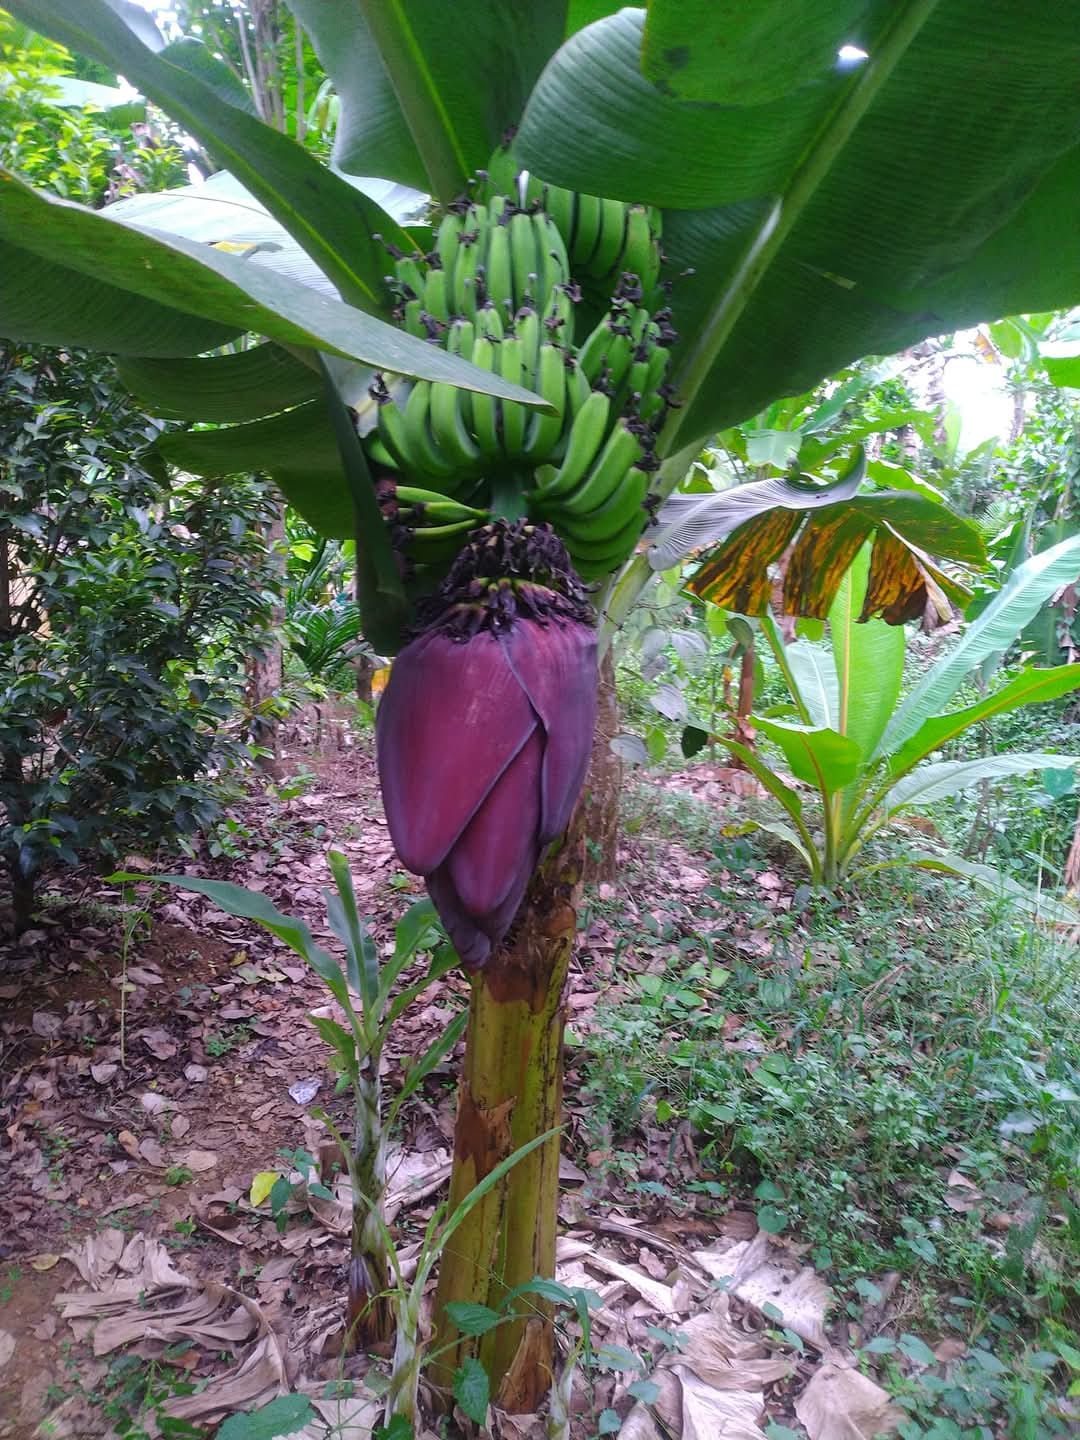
column 585, row 230
column 652, row 402
column 501, row 175
column 658, row 363
column 430, row 535
column 578, row 389
column 592, row 561
column 489, row 322
column 622, row 449
column 512, row 416
column 638, row 379
column 617, row 358
column 543, row 475
column 464, row 292
column 609, row 245
column 642, row 329
column 528, row 330
column 377, row 451
column 544, row 430
column 410, row 273
column 411, row 318
column 558, row 316
column 395, row 437
column 607, row 522
column 435, row 515
column 527, row 264
column 430, row 459
column 561, row 205
column 450, row 429
column 641, row 249
column 498, row 273
column 584, row 441
column 497, row 206
column 452, row 510
column 459, row 338
column 436, row 301
column 483, row 410
column 447, row 244
column 476, row 218
column 551, row 253
column 593, row 349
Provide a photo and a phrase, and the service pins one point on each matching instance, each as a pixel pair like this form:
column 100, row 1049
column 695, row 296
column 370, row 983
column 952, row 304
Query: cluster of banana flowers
column 485, row 728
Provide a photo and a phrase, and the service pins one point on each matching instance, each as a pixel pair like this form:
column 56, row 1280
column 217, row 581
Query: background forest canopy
column 839, row 711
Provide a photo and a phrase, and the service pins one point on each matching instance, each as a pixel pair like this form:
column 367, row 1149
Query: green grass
column 889, row 1040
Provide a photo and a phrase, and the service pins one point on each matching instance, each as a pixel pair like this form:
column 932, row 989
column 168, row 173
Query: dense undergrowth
column 902, row 1100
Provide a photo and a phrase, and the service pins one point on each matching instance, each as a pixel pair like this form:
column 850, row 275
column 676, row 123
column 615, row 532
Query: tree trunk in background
column 509, row 1092
column 365, row 674
column 266, row 671
column 600, row 800
column 1072, row 864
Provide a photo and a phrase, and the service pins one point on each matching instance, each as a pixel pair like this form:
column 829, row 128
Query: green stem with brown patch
column 510, row 1091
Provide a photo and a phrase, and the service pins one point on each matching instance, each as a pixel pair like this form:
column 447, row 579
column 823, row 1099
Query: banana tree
column 811, row 212
column 869, row 757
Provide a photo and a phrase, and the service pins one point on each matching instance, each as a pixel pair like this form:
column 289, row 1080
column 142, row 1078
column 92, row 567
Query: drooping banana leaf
column 221, row 211
column 855, row 212
column 825, row 527
column 111, row 266
column 332, row 221
column 225, row 389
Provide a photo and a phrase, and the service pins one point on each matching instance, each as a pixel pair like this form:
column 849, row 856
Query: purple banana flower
column 483, row 736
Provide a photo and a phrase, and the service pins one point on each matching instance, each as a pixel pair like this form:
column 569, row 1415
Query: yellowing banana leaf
column 825, row 528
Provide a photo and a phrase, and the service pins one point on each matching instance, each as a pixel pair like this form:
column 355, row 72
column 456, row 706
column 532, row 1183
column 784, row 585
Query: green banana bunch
column 499, row 289
column 604, row 238
column 485, row 254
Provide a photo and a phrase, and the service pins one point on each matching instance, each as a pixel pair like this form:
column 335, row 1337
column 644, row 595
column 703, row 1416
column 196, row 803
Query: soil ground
column 154, row 1059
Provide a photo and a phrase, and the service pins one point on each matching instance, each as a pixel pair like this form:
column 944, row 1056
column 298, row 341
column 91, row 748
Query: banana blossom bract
column 483, row 740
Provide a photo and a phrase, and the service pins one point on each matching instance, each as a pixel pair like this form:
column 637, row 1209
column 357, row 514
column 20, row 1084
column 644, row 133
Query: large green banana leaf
column 220, row 211
column 944, row 778
column 427, row 88
column 991, row 633
column 851, row 210
column 102, row 259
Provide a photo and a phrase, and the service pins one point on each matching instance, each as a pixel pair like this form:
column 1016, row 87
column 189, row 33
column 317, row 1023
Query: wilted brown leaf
column 841, row 1404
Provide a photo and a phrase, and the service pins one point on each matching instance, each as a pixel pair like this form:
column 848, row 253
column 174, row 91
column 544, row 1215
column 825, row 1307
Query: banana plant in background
column 323, row 622
column 732, row 132
column 364, row 992
column 867, row 754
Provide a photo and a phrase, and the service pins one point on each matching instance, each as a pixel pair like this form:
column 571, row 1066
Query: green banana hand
column 623, row 449
column 584, row 441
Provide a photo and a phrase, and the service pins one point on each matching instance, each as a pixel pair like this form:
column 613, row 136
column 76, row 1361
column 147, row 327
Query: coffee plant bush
column 128, row 607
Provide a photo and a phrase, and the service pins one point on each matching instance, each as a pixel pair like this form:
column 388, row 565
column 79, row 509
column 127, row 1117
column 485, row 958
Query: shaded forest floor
column 820, row 1153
